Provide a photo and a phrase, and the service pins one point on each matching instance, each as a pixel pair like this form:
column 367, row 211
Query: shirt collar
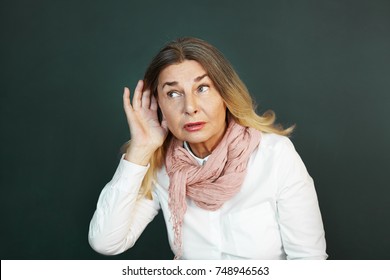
column 201, row 161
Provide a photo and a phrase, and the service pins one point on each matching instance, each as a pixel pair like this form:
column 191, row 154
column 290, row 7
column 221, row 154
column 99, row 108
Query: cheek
column 217, row 108
column 221, row 116
column 163, row 108
column 170, row 115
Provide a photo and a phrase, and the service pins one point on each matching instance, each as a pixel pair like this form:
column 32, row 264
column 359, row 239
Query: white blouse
column 274, row 216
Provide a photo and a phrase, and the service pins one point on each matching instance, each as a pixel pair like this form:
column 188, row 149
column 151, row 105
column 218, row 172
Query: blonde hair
column 236, row 96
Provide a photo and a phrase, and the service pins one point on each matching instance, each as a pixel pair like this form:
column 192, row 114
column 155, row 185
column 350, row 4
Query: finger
column 164, row 124
column 126, row 100
column 138, row 95
column 146, row 99
column 153, row 104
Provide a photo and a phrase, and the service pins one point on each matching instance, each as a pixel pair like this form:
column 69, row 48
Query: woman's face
column 193, row 108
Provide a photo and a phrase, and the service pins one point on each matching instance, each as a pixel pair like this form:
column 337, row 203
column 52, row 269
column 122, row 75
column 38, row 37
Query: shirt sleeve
column 121, row 214
column 299, row 215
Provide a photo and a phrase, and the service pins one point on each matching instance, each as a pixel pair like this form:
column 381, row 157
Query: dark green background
column 324, row 65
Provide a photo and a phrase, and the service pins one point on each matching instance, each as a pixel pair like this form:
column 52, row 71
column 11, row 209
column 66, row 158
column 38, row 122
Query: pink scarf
column 212, row 184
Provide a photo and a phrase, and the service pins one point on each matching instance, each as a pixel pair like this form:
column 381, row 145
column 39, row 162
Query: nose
column 191, row 104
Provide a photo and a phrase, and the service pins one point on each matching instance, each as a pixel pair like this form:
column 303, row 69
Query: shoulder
column 279, row 152
column 275, row 142
column 271, row 148
column 275, row 150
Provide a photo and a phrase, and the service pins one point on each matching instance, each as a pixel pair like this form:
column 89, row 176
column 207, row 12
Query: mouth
column 194, row 126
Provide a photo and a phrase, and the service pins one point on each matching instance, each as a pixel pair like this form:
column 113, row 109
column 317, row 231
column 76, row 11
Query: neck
column 199, row 150
column 204, row 149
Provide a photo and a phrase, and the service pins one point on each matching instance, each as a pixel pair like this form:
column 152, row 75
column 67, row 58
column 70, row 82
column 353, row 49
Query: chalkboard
column 322, row 65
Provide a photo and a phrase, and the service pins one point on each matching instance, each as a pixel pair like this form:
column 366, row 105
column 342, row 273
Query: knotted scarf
column 213, row 183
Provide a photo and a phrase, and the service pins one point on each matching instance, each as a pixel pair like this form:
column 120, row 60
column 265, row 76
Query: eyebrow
column 174, row 83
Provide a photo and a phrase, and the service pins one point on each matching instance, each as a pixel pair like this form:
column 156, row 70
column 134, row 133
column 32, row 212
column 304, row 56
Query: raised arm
column 122, row 214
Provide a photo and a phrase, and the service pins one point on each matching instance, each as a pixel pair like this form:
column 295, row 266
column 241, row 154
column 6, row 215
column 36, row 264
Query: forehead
column 188, row 69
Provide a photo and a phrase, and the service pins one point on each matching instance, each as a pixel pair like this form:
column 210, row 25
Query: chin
column 195, row 140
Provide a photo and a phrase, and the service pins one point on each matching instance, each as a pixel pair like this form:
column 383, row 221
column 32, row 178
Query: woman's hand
column 147, row 133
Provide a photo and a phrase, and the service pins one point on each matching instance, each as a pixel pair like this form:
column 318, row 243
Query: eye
column 173, row 94
column 203, row 88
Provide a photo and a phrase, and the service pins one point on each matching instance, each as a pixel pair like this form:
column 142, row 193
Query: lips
column 194, row 126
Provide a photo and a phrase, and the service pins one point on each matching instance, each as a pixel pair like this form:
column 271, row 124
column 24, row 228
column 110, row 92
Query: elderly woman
column 229, row 182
